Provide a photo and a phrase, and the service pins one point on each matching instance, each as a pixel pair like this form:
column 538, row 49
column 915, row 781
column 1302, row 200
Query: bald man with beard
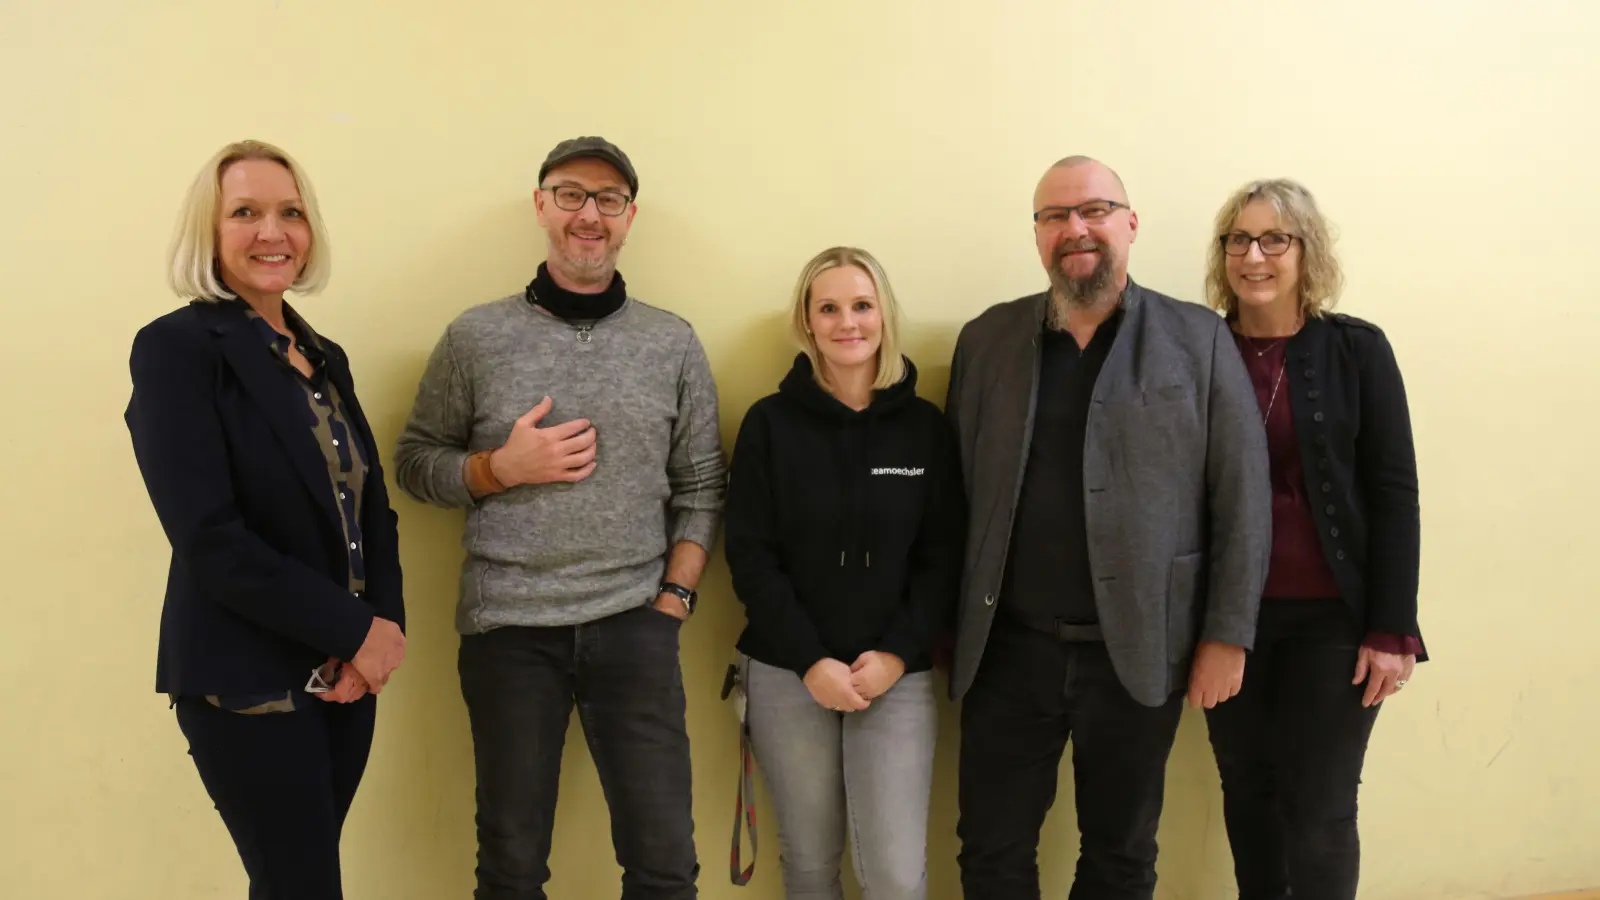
column 1116, row 469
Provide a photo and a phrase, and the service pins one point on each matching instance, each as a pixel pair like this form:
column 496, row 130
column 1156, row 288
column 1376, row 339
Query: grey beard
column 1077, row 293
column 587, row 271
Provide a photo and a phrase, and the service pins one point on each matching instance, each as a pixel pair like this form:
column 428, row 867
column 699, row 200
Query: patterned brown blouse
column 327, row 418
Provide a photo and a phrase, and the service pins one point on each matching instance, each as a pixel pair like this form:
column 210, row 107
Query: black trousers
column 1290, row 748
column 283, row 784
column 1031, row 693
column 622, row 673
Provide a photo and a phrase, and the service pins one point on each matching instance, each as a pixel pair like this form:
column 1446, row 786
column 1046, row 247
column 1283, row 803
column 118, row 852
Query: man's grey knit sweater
column 563, row 554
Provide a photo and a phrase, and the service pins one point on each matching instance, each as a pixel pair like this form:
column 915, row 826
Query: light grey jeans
column 866, row 773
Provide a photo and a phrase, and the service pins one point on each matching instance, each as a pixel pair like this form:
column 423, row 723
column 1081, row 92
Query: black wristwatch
column 682, row 593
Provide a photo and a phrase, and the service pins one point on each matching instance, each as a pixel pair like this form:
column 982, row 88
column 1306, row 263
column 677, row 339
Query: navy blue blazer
column 257, row 589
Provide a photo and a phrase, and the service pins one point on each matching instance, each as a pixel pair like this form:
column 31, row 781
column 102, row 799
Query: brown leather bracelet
column 480, row 475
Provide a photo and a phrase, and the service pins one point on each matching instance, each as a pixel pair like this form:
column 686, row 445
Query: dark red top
column 1298, row 568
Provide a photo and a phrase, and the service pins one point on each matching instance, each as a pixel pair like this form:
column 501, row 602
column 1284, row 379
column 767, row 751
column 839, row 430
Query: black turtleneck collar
column 574, row 307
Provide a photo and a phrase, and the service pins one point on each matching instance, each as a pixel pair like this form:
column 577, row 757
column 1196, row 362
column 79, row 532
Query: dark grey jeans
column 622, row 672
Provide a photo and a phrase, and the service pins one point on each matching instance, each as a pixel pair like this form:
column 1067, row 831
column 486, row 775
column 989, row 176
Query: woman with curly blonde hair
column 1338, row 625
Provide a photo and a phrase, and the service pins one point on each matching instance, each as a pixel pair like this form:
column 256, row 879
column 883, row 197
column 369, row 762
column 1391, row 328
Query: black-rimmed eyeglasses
column 1273, row 243
column 572, row 199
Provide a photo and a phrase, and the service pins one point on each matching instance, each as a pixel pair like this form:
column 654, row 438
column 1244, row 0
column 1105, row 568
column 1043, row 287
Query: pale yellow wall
column 1454, row 142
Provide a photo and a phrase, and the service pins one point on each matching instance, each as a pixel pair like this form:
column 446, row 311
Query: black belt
column 1060, row 629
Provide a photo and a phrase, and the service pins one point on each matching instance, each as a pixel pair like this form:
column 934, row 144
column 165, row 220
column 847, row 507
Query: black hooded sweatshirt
column 844, row 529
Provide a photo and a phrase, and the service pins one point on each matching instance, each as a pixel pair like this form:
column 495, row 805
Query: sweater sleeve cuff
column 1399, row 644
column 803, row 663
column 695, row 525
column 900, row 645
column 450, row 479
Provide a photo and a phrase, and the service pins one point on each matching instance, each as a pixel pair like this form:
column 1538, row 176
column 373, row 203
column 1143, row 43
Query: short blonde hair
column 891, row 366
column 1321, row 279
column 192, row 269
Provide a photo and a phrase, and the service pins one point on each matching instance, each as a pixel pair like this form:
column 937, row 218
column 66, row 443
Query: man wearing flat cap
column 577, row 426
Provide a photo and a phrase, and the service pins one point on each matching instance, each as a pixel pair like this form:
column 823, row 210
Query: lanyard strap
column 744, row 803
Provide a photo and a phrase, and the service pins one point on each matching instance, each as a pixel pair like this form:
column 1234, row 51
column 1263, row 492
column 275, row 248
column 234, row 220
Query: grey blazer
column 1177, row 489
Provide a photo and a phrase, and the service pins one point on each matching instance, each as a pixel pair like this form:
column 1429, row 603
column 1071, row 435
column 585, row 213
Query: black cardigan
column 1354, row 429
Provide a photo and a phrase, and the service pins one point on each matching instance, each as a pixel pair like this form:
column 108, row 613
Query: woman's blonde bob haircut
column 1321, row 279
column 193, row 270
column 891, row 365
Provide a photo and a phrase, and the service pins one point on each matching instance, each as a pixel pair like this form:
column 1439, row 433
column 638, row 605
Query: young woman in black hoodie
column 845, row 522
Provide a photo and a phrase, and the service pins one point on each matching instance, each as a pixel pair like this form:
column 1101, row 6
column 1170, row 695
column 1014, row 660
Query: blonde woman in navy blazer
column 283, row 613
